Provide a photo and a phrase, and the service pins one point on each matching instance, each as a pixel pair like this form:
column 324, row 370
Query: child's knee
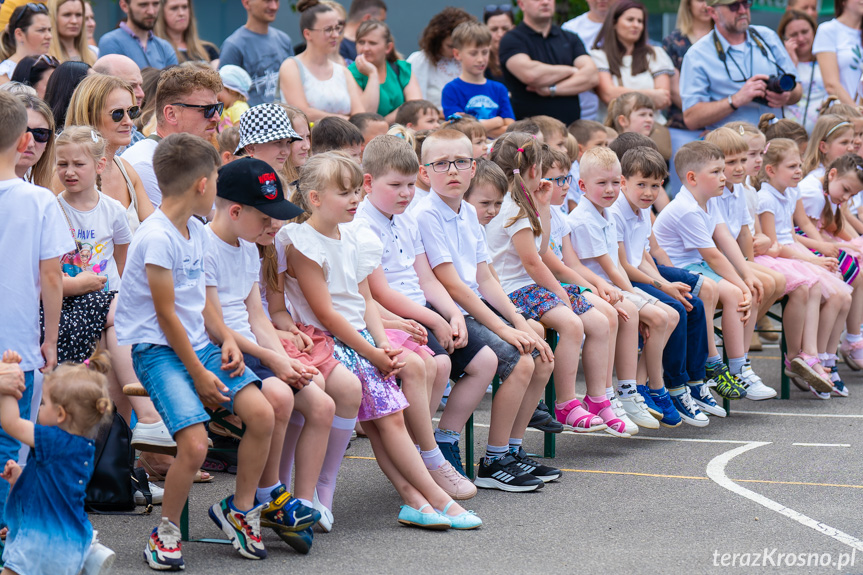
column 523, row 370
column 345, row 388
column 729, row 294
column 484, row 362
column 254, row 409
column 542, row 369
column 708, row 292
column 441, row 364
column 192, row 445
column 280, row 397
column 596, row 325
column 414, row 368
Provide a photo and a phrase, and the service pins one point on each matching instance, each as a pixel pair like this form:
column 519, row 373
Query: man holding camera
column 737, row 72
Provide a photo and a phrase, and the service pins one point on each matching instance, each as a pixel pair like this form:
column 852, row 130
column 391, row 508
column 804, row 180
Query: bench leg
column 550, row 440
column 469, row 449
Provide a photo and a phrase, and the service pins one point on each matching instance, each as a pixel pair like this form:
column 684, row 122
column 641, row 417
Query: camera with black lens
column 778, row 84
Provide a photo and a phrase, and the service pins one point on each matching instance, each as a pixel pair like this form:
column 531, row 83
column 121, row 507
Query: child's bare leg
column 809, row 339
column 834, row 312
column 191, row 452
column 855, row 313
column 570, row 332
column 281, row 399
column 442, row 368
column 508, row 399
column 732, row 320
column 770, row 279
column 468, row 391
column 663, row 319
column 253, row 408
column 709, row 295
column 614, row 323
column 541, row 372
column 416, row 415
column 317, row 409
column 595, row 354
column 626, row 350
column 795, row 317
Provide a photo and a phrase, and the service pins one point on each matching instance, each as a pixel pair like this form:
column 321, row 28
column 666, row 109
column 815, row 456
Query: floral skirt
column 536, row 301
column 82, row 321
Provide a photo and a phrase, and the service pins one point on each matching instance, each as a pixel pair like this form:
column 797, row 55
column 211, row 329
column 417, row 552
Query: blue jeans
column 685, row 352
column 10, row 446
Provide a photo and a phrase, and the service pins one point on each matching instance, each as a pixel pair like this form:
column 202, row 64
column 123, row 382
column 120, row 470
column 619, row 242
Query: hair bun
column 103, row 405
column 304, row 5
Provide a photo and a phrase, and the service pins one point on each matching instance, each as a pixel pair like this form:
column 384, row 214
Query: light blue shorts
column 171, row 388
column 705, row 270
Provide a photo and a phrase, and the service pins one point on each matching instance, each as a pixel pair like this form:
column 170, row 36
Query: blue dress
column 48, row 528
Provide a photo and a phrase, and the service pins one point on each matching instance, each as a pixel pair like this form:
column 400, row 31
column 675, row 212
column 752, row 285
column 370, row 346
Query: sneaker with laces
column 852, row 353
column 728, row 386
column 154, row 438
column 243, row 529
column 652, row 408
column 99, row 559
column 631, row 427
column 503, row 473
column 452, row 454
column 704, row 399
column 755, row 388
column 635, row 407
column 300, row 541
column 542, row 472
column 687, row 409
column 285, row 513
column 662, row 400
column 452, row 482
column 163, row 552
column 544, row 421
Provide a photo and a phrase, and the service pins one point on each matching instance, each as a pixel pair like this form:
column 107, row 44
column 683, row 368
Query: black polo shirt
column 560, row 47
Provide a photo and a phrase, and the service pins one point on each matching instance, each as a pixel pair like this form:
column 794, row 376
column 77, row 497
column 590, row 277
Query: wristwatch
column 731, row 103
column 552, row 90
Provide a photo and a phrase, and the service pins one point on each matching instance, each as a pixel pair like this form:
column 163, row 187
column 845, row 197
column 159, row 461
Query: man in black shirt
column 544, row 67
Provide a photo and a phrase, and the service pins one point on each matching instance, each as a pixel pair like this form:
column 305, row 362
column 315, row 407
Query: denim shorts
column 672, row 274
column 171, row 388
column 705, row 270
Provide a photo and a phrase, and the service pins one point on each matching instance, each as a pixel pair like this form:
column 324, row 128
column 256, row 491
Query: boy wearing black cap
column 163, row 313
column 250, row 203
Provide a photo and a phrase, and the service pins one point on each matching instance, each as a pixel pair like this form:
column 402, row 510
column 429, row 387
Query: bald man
column 126, row 69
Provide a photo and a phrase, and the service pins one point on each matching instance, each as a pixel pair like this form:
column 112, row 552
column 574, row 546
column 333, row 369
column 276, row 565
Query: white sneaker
column 327, row 519
column 636, row 409
column 620, row 412
column 755, row 388
column 157, row 492
column 153, row 437
column 99, row 559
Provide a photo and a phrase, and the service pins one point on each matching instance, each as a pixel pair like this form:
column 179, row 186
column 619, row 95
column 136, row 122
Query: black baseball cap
column 252, row 182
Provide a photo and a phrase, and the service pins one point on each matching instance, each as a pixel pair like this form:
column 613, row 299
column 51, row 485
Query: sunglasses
column 497, row 8
column 209, row 109
column 41, row 135
column 48, row 60
column 561, row 180
column 740, row 4
column 117, row 115
column 31, row 7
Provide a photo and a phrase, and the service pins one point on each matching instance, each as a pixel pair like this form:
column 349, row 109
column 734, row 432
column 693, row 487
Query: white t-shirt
column 234, row 270
column 782, row 207
column 657, row 65
column 432, row 78
column 633, row 228
column 732, row 208
column 401, row 243
column 587, row 30
column 7, row 68
column 751, row 203
column 559, row 230
column 141, row 157
column 682, row 228
column 158, row 242
column 574, row 192
column 451, row 237
column 33, row 230
column 97, row 231
column 592, row 235
column 811, row 193
column 504, row 256
column 834, row 36
column 345, row 262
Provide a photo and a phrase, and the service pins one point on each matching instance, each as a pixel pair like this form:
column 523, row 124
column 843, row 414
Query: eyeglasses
column 134, row 113
column 41, row 135
column 331, row 30
column 209, row 109
column 560, row 180
column 444, row 165
column 32, row 7
column 740, row 4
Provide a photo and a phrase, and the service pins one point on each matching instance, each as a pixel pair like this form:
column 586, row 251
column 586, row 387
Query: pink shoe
column 615, row 425
column 804, row 366
column 852, row 354
column 575, row 418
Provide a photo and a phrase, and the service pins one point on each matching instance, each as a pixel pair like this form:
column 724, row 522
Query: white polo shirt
column 402, row 243
column 504, row 256
column 633, row 228
column 682, row 228
column 811, row 190
column 732, row 209
column 782, row 207
column 452, row 237
column 592, row 236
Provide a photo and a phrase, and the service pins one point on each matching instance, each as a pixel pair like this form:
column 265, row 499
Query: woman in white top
column 27, row 34
column 311, row 81
column 627, row 63
column 840, row 52
column 69, row 41
column 108, row 104
column 797, row 30
column 433, row 64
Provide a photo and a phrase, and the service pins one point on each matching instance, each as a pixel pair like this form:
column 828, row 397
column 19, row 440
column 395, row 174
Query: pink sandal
column 575, row 418
column 795, row 379
column 615, row 425
column 804, row 366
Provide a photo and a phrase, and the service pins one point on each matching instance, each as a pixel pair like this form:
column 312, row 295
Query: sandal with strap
column 804, row 366
column 614, row 425
column 846, row 350
column 799, row 383
column 153, row 475
column 574, row 417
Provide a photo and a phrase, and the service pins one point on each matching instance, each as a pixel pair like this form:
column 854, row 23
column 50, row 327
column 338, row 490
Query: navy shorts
column 262, row 370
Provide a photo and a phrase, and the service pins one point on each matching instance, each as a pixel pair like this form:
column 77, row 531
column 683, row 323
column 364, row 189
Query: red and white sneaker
column 163, row 552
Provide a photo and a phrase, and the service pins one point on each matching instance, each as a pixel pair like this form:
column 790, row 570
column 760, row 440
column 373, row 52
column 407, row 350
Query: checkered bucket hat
column 265, row 123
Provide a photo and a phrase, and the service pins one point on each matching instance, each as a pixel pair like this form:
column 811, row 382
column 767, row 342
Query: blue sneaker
column 839, row 388
column 452, row 454
column 704, row 399
column 687, row 409
column 661, row 399
column 654, row 410
column 285, row 514
column 300, row 541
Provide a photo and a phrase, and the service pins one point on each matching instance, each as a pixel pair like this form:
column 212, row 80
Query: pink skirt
column 796, row 274
column 831, row 283
column 399, row 338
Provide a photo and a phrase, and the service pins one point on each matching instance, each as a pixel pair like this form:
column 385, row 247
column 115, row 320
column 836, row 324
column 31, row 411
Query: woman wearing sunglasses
column 107, row 103
column 28, row 34
column 36, row 164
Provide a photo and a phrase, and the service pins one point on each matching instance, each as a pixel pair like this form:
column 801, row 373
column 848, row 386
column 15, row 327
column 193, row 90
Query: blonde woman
column 69, row 39
column 176, row 23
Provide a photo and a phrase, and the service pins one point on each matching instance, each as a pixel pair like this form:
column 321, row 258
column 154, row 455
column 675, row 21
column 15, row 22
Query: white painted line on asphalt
column 822, row 444
column 786, row 414
column 716, row 472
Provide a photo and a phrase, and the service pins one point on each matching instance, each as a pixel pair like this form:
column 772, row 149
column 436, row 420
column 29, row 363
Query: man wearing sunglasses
column 725, row 75
column 186, row 102
column 134, row 37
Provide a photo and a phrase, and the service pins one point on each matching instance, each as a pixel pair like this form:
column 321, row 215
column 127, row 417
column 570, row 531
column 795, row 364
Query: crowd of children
column 314, row 279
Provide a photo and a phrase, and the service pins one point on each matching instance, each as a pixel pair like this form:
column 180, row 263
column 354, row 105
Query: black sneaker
column 543, row 421
column 452, row 454
column 504, row 474
column 535, row 468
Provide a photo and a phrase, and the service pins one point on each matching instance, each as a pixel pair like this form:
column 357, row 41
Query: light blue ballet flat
column 464, row 521
column 415, row 517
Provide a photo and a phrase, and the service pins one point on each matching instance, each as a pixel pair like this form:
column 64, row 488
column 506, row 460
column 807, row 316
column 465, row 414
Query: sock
column 493, row 452
column 446, row 436
column 714, row 359
column 419, row 449
column 264, row 494
column 675, row 391
column 514, row 445
column 626, row 388
column 295, row 428
column 827, row 359
column 853, row 338
column 609, row 393
column 735, row 365
column 340, row 436
column 433, row 459
column 306, row 502
column 696, row 382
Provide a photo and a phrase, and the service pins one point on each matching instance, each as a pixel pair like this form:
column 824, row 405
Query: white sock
column 626, row 388
column 853, row 338
column 433, row 458
column 263, row 494
column 609, row 393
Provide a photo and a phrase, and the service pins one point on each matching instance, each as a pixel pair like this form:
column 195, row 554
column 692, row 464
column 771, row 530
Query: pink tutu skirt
column 399, row 338
column 796, row 274
column 831, row 283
